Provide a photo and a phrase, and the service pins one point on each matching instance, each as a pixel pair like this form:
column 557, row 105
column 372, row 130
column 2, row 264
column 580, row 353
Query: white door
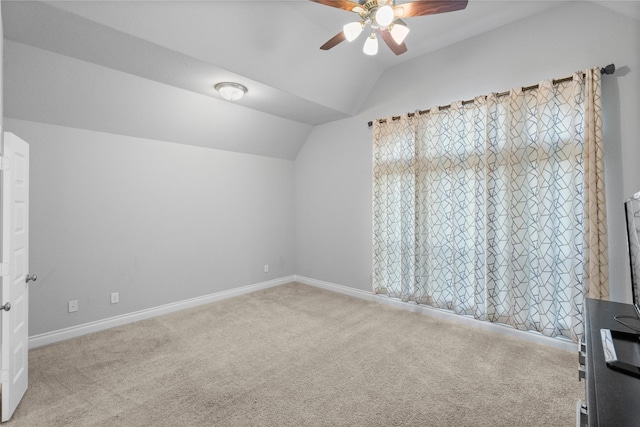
column 15, row 273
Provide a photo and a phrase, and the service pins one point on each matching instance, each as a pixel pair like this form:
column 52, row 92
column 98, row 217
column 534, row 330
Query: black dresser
column 613, row 398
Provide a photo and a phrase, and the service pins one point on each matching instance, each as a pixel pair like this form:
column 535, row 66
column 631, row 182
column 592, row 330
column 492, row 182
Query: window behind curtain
column 480, row 208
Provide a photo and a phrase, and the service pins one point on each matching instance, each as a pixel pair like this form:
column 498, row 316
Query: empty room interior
column 229, row 225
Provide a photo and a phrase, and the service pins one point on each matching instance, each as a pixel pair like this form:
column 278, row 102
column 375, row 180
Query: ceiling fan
column 385, row 18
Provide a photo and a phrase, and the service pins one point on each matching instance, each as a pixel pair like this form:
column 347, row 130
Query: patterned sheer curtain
column 495, row 208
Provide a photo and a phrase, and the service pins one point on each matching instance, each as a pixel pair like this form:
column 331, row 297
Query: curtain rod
column 609, row 69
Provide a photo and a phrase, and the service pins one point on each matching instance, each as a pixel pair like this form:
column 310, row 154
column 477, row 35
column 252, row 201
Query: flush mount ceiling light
column 385, row 18
column 231, row 91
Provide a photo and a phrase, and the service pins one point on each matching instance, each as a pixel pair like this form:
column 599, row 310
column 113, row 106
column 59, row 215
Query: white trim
column 353, row 292
column 534, row 337
column 100, row 325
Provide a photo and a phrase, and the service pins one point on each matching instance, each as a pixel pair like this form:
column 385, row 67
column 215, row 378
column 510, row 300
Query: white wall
column 158, row 222
column 163, row 221
column 333, row 170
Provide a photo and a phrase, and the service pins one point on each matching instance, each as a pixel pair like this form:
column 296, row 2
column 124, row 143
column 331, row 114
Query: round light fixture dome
column 384, row 16
column 352, row 30
column 398, row 32
column 231, row 91
column 371, row 45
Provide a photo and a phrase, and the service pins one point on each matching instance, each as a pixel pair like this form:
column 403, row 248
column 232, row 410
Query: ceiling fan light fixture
column 231, row 91
column 371, row 45
column 352, row 30
column 384, row 16
column 399, row 32
column 381, row 15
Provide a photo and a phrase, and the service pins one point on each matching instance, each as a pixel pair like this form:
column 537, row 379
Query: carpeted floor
column 295, row 355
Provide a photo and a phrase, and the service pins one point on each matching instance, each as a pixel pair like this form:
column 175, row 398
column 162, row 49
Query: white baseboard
column 358, row 293
column 100, row 325
column 534, row 337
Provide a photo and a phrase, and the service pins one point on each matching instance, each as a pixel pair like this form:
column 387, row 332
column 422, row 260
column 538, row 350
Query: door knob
column 6, row 307
column 31, row 277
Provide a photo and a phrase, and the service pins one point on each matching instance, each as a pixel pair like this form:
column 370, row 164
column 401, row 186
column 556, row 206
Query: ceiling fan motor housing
column 370, row 5
column 369, row 9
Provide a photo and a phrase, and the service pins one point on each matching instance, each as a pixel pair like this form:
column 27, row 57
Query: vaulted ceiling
column 147, row 68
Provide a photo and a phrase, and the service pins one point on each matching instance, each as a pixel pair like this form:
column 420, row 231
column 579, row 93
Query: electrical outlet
column 266, row 268
column 73, row 305
column 115, row 297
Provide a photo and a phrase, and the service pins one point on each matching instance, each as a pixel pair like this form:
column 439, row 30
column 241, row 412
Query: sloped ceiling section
column 266, row 41
column 147, row 69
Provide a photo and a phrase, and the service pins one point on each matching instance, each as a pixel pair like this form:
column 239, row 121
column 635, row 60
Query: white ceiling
column 98, row 64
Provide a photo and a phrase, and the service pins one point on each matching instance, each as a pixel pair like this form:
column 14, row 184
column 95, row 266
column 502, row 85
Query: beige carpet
column 298, row 356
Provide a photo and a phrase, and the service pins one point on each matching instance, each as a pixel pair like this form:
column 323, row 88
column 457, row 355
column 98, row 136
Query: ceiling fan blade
column 428, row 7
column 340, row 4
column 338, row 38
column 398, row 49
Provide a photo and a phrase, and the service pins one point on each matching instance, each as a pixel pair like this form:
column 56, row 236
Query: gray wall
column 157, row 222
column 161, row 222
column 333, row 169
